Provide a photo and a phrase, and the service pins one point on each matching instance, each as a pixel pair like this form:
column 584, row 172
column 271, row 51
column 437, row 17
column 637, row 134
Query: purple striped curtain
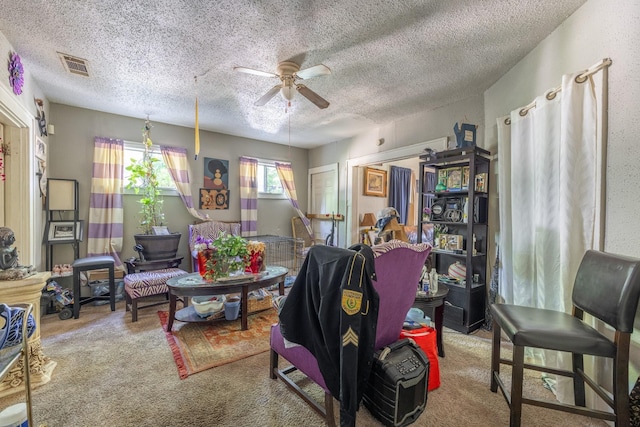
column 105, row 232
column 285, row 172
column 249, row 196
column 176, row 160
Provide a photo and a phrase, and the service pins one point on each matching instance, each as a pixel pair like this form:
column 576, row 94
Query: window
column 269, row 185
column 135, row 150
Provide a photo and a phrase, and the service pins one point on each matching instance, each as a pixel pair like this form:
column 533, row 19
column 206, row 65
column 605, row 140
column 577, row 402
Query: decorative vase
column 256, row 262
column 203, row 256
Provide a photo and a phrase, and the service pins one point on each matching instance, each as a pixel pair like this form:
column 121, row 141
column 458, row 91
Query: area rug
column 200, row 346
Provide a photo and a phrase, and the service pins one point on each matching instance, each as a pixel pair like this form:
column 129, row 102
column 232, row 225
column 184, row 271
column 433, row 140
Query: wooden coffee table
column 192, row 285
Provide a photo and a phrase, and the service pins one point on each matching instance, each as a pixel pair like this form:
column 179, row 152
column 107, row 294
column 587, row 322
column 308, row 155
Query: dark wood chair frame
column 620, row 279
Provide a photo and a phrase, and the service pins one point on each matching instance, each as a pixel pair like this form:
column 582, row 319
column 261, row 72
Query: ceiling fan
column 289, row 73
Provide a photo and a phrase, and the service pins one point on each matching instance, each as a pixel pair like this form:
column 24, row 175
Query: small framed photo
column 481, row 183
column 375, row 182
column 454, row 179
column 40, row 150
column 64, row 231
column 465, row 177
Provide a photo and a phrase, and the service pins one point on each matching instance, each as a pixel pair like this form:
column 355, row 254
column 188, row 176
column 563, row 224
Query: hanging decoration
column 197, row 139
column 42, row 121
column 197, row 142
column 3, row 177
column 16, row 73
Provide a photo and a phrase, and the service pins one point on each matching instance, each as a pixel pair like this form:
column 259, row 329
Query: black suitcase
column 396, row 393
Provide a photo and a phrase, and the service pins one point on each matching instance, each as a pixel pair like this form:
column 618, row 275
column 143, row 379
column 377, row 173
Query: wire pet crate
column 283, row 251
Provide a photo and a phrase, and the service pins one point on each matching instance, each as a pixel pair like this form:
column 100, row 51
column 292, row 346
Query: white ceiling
column 389, row 58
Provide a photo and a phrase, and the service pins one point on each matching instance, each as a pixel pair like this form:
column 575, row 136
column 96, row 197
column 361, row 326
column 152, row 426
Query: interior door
column 323, row 188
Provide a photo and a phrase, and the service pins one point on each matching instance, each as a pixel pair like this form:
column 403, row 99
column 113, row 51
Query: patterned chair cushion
column 149, row 283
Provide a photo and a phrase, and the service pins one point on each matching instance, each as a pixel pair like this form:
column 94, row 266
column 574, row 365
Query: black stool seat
column 88, row 264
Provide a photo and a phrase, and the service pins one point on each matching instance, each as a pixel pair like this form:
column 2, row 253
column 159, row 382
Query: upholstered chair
column 398, row 266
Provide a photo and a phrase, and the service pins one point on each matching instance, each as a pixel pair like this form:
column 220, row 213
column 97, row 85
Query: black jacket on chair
column 332, row 310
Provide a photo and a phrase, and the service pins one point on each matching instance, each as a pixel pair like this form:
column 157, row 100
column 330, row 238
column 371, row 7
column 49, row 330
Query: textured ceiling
column 388, row 59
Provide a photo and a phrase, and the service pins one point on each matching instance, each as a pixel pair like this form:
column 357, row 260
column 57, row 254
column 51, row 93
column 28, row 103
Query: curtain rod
column 580, row 78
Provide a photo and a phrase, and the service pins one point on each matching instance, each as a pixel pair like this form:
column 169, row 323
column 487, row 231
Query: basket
column 255, row 304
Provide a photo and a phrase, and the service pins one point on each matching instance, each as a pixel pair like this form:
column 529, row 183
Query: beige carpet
column 112, row 372
column 197, row 347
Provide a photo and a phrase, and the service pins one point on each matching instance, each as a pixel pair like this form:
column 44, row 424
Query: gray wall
column 71, row 156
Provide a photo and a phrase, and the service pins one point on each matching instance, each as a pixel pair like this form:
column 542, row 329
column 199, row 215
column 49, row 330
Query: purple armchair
column 398, row 268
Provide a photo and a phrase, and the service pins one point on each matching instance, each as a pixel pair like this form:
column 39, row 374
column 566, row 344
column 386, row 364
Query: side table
column 435, row 301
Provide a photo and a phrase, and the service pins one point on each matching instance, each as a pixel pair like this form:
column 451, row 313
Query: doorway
column 354, row 184
column 21, row 201
column 323, row 199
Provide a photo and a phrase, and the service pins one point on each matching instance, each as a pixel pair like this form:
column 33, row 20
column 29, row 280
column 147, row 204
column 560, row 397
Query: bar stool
column 88, row 264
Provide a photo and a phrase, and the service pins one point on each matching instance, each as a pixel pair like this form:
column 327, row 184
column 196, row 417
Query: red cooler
column 426, row 340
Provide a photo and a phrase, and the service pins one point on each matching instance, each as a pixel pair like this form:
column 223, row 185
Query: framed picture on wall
column 375, row 182
column 214, row 199
column 40, row 150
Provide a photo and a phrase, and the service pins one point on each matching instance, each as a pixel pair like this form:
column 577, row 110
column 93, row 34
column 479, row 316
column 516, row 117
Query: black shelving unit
column 463, row 208
column 63, row 225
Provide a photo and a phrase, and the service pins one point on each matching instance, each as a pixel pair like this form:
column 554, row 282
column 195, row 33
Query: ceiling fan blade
column 267, row 96
column 254, row 72
column 315, row 71
column 312, row 96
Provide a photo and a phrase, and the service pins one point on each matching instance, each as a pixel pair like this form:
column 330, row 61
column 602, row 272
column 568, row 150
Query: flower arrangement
column 426, row 212
column 16, row 73
column 222, row 256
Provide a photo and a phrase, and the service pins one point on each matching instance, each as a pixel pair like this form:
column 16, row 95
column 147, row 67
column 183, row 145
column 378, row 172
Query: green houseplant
column 143, row 180
column 226, row 255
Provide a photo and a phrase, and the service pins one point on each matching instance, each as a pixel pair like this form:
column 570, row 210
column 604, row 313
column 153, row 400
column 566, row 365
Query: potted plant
column 144, row 180
column 226, row 255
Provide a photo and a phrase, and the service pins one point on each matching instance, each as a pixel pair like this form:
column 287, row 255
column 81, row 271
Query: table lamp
column 368, row 220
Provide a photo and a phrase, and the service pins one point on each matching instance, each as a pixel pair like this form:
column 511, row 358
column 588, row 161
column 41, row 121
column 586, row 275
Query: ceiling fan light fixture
column 287, row 92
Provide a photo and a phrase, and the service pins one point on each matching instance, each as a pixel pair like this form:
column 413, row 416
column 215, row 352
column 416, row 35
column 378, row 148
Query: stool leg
column 76, row 293
column 112, row 288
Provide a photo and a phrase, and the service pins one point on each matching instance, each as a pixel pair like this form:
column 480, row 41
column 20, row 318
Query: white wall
column 595, row 31
column 22, row 203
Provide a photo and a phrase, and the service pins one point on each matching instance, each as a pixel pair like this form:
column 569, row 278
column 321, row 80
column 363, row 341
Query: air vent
column 74, row 65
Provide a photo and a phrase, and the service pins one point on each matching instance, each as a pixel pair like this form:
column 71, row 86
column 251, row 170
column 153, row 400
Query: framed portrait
column 375, row 182
column 40, row 150
column 216, row 173
column 64, row 231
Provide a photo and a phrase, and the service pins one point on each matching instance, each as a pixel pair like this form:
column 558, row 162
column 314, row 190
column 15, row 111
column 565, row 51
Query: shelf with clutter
column 454, row 199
